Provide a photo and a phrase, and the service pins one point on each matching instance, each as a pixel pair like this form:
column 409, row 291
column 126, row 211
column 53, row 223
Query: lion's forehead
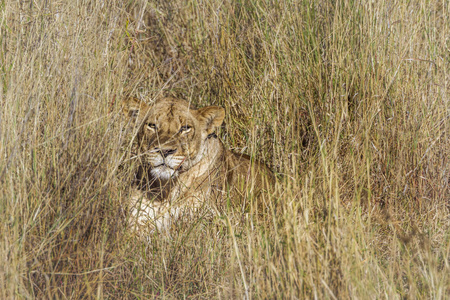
column 171, row 116
column 173, row 106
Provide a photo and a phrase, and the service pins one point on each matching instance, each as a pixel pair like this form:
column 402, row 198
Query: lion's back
column 246, row 172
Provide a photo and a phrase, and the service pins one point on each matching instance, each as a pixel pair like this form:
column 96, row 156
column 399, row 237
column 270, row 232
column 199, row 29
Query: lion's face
column 171, row 133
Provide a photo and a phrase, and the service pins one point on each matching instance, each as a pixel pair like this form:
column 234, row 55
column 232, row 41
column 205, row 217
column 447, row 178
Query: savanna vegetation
column 347, row 101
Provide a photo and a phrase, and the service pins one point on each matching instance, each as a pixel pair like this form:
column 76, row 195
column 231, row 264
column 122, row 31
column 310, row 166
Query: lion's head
column 172, row 133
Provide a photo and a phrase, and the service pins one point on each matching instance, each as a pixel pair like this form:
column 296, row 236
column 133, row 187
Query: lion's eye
column 185, row 129
column 151, row 126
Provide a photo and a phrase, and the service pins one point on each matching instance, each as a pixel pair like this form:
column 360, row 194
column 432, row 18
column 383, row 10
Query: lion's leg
column 146, row 214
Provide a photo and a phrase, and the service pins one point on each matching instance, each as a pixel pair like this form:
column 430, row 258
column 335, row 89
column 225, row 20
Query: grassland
column 347, row 101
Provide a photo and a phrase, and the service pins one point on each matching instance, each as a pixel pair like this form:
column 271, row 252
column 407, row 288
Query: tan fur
column 183, row 165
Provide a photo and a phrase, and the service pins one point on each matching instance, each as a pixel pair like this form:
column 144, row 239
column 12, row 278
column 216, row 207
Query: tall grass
column 347, row 101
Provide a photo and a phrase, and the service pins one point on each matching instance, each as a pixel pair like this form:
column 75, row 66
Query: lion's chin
column 163, row 172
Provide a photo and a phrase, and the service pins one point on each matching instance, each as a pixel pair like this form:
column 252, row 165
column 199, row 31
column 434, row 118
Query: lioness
column 183, row 164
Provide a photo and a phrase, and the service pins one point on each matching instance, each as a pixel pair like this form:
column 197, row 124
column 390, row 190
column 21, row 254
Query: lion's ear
column 131, row 107
column 212, row 117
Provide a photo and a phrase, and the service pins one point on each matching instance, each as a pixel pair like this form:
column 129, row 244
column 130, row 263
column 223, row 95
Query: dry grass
column 346, row 101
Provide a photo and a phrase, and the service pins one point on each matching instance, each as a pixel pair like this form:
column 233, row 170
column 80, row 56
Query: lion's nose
column 166, row 153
